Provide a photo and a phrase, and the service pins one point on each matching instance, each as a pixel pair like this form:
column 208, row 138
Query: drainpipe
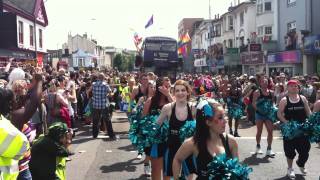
column 35, row 37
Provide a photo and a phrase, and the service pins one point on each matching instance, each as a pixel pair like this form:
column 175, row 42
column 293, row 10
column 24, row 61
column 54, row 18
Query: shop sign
column 16, row 54
column 200, row 62
column 232, row 50
column 285, row 57
column 252, row 58
column 312, row 44
column 255, row 47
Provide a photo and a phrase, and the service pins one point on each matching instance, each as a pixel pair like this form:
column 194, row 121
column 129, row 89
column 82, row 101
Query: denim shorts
column 260, row 117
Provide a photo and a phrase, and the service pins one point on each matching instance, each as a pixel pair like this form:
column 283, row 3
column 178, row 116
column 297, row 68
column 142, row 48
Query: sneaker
column 236, row 134
column 139, row 156
column 147, row 170
column 258, row 150
column 303, row 170
column 270, row 153
column 291, row 173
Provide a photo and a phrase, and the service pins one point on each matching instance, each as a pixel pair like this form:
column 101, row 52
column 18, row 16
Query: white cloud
column 114, row 18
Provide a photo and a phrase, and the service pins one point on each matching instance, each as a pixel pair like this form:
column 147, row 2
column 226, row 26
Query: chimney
column 218, row 16
column 235, row 3
column 238, row 2
column 85, row 35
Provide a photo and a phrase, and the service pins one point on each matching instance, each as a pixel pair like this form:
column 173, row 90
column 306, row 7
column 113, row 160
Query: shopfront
column 232, row 62
column 252, row 63
column 288, row 62
column 20, row 57
column 311, row 58
column 200, row 64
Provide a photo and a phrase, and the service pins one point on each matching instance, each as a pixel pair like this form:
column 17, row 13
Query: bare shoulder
column 168, row 106
column 283, row 101
column 231, row 140
column 189, row 143
column 303, row 98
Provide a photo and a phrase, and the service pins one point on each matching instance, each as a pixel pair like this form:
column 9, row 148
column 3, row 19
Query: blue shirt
column 100, row 91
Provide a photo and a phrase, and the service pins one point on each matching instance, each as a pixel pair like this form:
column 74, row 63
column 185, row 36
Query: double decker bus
column 160, row 55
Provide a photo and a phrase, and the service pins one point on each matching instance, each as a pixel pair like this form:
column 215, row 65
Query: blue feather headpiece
column 206, row 108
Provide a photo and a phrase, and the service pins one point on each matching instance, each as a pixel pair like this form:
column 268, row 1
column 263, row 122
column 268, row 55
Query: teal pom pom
column 235, row 111
column 187, row 130
column 312, row 127
column 266, row 108
column 291, row 129
column 135, row 135
column 223, row 168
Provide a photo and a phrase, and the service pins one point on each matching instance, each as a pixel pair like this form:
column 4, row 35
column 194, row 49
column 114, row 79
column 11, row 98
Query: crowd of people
column 41, row 110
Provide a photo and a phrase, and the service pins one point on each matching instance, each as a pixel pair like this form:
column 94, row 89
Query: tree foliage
column 124, row 62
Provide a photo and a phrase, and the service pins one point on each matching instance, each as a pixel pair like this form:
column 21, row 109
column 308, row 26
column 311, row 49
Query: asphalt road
column 101, row 159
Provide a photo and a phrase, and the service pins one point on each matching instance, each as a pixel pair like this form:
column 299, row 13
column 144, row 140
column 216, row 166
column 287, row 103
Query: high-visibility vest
column 13, row 145
column 61, row 168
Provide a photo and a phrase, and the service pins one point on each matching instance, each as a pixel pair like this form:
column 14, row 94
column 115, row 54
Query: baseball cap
column 293, row 82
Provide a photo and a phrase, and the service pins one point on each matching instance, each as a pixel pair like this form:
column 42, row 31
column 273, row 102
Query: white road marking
column 108, row 151
column 249, row 138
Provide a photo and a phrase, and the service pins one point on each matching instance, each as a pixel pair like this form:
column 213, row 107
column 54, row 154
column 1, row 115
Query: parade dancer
column 208, row 141
column 153, row 106
column 235, row 110
column 263, row 94
column 140, row 104
column 178, row 113
column 294, row 107
column 141, row 89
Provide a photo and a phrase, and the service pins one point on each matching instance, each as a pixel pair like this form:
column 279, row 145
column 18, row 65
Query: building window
column 268, row 30
column 291, row 2
column 218, row 30
column 20, row 32
column 241, row 18
column 40, row 38
column 292, row 26
column 259, row 8
column 260, row 31
column 80, row 62
column 230, row 43
column 267, row 6
column 31, row 35
column 230, row 23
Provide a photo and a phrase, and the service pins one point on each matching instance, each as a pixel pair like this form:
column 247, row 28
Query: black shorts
column 188, row 165
column 155, row 151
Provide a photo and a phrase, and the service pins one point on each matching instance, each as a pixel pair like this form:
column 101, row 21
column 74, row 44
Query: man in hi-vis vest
column 13, row 145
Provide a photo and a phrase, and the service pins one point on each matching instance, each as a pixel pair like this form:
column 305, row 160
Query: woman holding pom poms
column 135, row 134
column 177, row 113
column 235, row 110
column 209, row 144
column 294, row 107
column 153, row 106
column 261, row 97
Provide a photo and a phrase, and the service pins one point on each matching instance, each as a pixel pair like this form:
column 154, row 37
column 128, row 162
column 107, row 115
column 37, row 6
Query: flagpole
column 210, row 34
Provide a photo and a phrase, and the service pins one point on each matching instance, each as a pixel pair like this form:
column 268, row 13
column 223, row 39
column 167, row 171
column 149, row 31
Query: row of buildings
column 261, row 36
column 22, row 25
column 22, row 36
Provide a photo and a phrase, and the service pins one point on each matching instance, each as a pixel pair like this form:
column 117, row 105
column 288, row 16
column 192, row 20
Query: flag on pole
column 150, row 22
column 137, row 38
column 185, row 38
